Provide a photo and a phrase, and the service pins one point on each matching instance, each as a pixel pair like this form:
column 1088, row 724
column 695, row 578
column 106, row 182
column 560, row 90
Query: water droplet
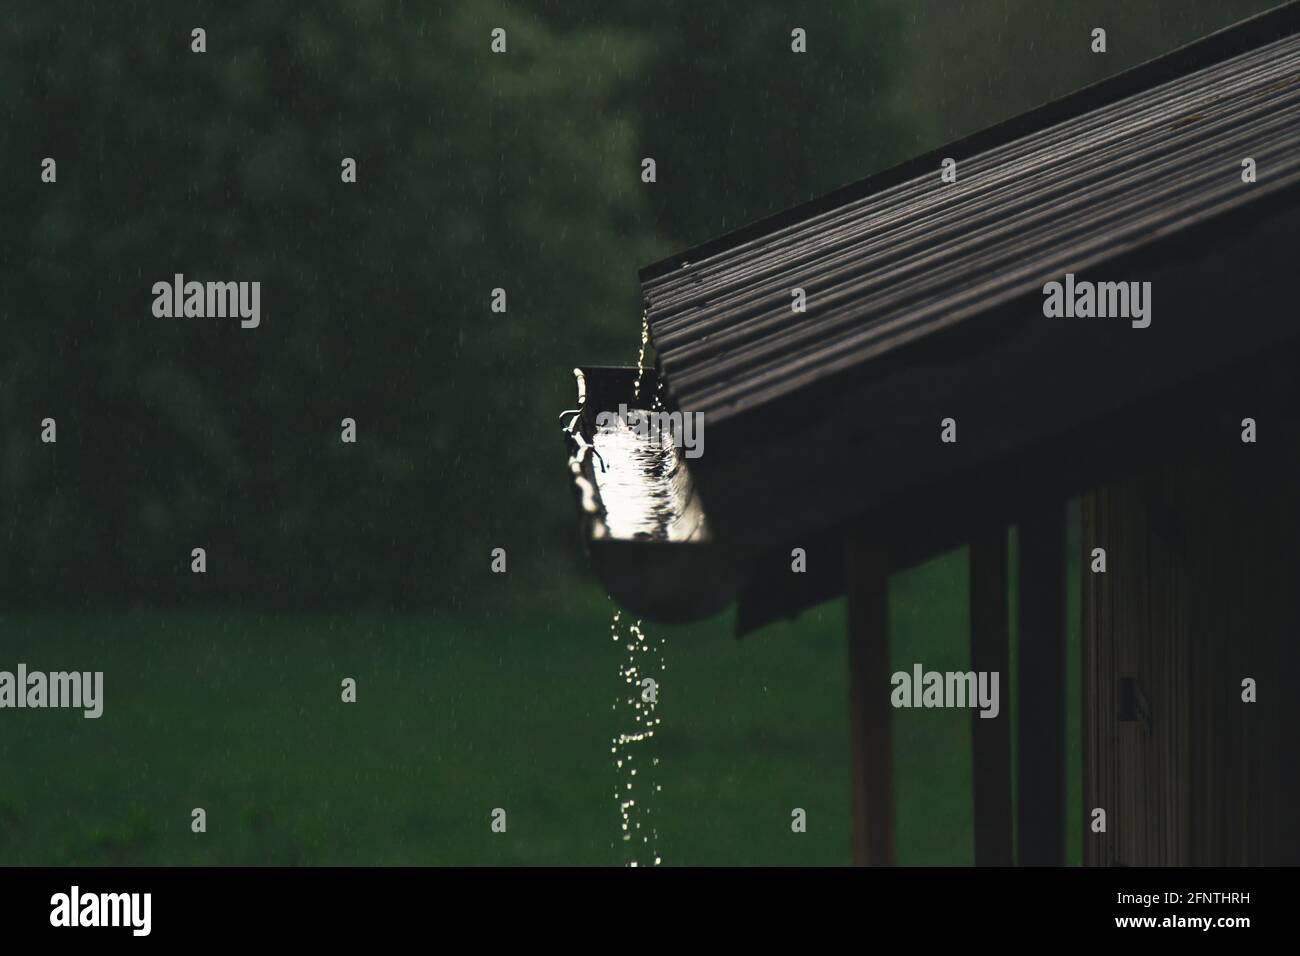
column 640, row 359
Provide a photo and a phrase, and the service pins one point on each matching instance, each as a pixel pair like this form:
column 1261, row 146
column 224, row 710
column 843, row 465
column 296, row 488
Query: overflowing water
column 645, row 487
column 646, row 490
column 636, row 759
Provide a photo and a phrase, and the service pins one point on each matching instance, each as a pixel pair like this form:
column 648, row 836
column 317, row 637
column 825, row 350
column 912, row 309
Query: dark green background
column 371, row 560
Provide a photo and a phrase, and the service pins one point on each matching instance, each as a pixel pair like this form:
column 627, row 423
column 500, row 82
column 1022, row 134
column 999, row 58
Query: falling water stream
column 640, row 358
column 636, row 759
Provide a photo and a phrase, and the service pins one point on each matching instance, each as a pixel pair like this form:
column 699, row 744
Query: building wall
column 1199, row 593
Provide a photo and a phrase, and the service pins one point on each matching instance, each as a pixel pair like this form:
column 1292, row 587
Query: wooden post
column 1041, row 697
column 867, row 583
column 1094, row 530
column 991, row 737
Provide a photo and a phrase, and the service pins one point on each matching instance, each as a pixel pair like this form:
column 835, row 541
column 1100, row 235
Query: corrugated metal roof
column 919, row 256
column 925, row 305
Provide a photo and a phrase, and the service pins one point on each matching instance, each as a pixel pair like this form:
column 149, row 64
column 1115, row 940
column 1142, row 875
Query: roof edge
column 1281, row 21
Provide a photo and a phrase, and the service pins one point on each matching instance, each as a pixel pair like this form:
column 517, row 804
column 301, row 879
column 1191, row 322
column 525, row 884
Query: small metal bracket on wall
column 1133, row 702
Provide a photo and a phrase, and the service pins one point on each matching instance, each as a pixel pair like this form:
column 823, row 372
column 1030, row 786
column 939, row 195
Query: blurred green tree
column 476, row 171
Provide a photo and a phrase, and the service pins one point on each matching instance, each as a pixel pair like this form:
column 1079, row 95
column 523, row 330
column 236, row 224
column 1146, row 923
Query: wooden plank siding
column 1199, row 593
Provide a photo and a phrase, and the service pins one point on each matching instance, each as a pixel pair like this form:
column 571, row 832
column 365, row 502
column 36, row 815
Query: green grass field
column 241, row 714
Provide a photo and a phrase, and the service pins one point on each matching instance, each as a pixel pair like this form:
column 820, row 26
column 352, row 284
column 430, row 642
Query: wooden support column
column 991, row 737
column 866, row 569
column 1041, row 697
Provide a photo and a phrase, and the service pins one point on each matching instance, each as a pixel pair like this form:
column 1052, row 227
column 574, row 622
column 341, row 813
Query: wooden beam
column 867, row 580
column 1041, row 697
column 991, row 737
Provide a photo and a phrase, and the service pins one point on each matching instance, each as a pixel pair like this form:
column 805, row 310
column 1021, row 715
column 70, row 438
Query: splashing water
column 640, row 358
column 636, row 762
